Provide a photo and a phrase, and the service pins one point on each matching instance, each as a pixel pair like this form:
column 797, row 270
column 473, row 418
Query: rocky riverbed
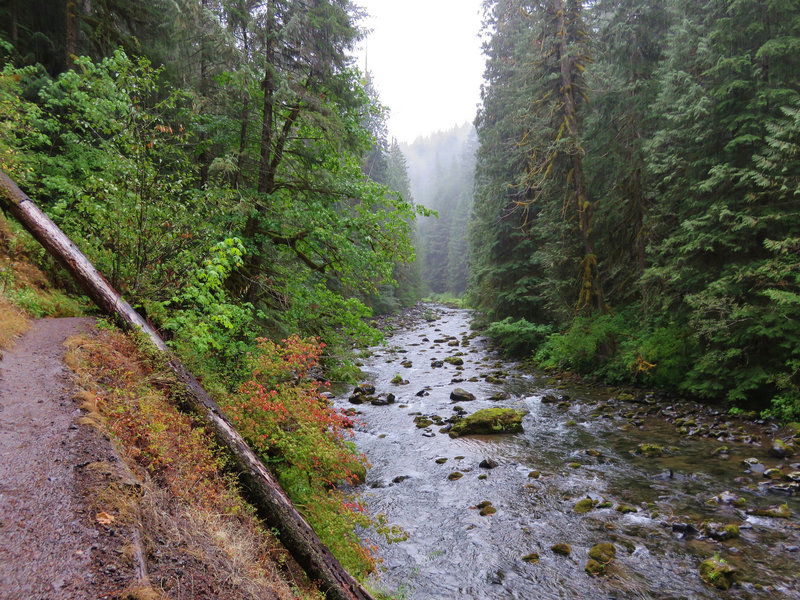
column 563, row 491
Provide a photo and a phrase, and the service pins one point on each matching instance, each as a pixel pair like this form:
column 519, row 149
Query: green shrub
column 518, row 338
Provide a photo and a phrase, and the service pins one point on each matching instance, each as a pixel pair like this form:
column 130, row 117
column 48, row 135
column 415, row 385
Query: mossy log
column 271, row 501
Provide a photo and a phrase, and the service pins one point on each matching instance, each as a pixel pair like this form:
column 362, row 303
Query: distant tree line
column 638, row 192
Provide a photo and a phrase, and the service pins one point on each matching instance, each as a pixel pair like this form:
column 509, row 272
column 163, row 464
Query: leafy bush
column 288, row 421
column 518, row 338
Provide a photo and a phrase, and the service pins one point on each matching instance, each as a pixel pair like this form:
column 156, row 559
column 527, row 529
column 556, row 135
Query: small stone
column 532, row 558
column 441, row 461
column 584, row 506
column 534, row 474
column 561, row 549
column 488, row 463
column 455, row 475
column 626, row 508
column 454, row 360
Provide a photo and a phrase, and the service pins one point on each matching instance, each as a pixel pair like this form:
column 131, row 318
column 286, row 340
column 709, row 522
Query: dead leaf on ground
column 104, row 518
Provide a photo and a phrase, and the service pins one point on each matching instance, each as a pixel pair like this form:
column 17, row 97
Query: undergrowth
column 25, row 291
column 128, row 393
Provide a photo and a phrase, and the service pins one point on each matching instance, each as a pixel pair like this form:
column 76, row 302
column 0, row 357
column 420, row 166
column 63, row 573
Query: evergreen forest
column 637, row 193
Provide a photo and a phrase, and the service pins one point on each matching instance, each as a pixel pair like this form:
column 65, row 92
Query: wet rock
column 356, row 399
column 728, row 498
column 461, row 395
column 781, row 449
column 534, row 474
column 423, row 422
column 592, row 452
column 571, row 423
column 400, row 478
column 775, row 512
column 422, row 393
column 398, row 380
column 532, row 558
column 440, row 461
column 561, row 549
column 721, row 451
column 721, row 532
column 773, row 473
column 454, row 360
column 407, row 364
column 488, row 463
column 455, row 475
column 574, row 465
column 485, row 508
column 435, row 364
column 684, row 528
column 489, row 421
column 550, row 399
column 498, row 396
column 717, row 572
column 453, row 343
column 364, row 389
column 654, row 450
column 603, row 552
column 440, row 340
column 584, row 506
column 594, row 568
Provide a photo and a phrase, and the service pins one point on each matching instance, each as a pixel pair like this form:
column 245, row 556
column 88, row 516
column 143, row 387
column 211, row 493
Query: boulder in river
column 461, row 395
column 488, row 463
column 489, row 421
column 717, row 572
column 454, row 360
column 599, row 557
column 781, row 449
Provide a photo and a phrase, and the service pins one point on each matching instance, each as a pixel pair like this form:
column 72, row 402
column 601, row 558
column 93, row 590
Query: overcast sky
column 426, row 62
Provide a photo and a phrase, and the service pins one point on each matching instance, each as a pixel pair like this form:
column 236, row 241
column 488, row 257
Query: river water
column 585, row 445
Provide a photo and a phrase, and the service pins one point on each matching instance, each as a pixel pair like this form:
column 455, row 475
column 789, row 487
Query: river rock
column 561, row 549
column 781, row 449
column 454, row 360
column 584, row 506
column 603, row 552
column 489, row 421
column 775, row 512
column 461, row 395
column 488, row 463
column 717, row 572
column 364, row 389
column 721, row 532
column 532, row 558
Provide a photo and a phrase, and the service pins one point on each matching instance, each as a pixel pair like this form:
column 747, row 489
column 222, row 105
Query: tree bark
column 271, row 501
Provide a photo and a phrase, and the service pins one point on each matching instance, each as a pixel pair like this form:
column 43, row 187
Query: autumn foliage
column 285, row 415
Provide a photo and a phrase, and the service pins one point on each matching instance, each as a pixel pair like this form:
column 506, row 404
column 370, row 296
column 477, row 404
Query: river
column 652, row 502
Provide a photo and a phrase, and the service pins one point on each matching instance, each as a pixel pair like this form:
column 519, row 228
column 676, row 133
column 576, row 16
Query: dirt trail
column 46, row 535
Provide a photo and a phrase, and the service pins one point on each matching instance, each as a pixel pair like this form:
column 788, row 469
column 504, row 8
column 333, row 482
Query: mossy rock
column 775, row 512
column 652, row 450
column 535, row 474
column 455, row 475
column 532, row 558
column 594, row 568
column 626, row 508
column 561, row 549
column 603, row 552
column 487, row 510
column 423, row 422
column 718, row 573
column 574, row 465
column 489, row 421
column 454, row 360
column 584, row 506
column 440, row 461
column 571, row 423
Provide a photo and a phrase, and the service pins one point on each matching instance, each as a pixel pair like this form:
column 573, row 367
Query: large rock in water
column 489, row 421
column 461, row 395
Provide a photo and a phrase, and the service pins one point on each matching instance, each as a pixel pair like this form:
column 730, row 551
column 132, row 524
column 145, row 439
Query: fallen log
column 271, row 501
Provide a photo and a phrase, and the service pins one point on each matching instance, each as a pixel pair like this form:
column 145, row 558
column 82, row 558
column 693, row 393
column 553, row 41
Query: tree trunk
column 591, row 289
column 271, row 501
